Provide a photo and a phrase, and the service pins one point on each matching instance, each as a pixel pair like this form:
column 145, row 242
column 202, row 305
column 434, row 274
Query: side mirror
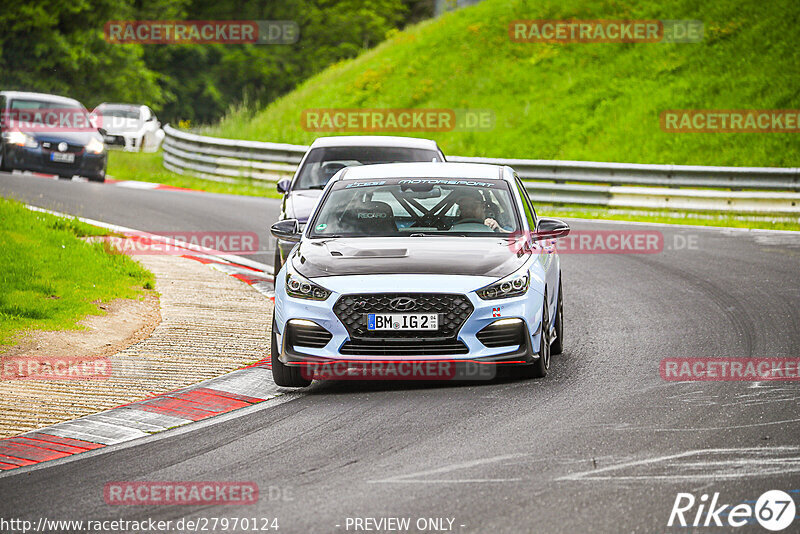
column 548, row 228
column 283, row 185
column 286, row 230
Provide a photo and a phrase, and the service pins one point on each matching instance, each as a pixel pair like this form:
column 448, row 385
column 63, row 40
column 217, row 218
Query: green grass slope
column 577, row 101
column 50, row 279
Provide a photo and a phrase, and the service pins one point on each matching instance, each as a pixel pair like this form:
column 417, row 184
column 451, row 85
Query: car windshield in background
column 119, row 119
column 322, row 163
column 415, row 207
column 121, row 113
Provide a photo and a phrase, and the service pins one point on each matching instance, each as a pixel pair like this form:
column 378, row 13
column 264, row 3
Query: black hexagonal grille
column 453, row 310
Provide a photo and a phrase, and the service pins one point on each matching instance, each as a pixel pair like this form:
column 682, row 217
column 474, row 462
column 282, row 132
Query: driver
column 473, row 208
column 327, row 171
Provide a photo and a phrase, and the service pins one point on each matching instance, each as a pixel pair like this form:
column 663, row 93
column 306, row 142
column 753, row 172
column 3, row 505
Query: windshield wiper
column 322, row 186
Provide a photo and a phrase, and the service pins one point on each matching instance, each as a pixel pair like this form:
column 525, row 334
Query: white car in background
column 133, row 128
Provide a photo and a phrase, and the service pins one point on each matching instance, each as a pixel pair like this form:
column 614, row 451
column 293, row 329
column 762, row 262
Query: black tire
column 277, row 263
column 284, row 375
column 100, row 179
column 539, row 369
column 557, row 347
column 64, row 177
column 3, row 166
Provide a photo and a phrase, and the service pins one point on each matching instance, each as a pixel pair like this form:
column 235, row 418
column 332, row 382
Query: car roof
column 39, row 96
column 424, row 170
column 374, row 140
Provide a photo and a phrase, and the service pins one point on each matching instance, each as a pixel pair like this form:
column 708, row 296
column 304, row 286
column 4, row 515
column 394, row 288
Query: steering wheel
column 469, row 225
column 474, row 222
column 329, row 169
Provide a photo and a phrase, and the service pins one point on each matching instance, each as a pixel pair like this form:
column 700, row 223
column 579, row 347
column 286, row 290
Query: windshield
column 416, row 207
column 322, row 163
column 46, row 112
column 42, row 105
column 120, row 113
column 118, row 119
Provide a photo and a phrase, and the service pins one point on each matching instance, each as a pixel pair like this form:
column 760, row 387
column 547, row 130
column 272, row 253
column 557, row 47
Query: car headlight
column 511, row 286
column 18, row 138
column 95, row 147
column 301, row 287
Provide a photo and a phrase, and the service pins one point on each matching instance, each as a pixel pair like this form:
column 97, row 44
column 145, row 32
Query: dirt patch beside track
column 210, row 324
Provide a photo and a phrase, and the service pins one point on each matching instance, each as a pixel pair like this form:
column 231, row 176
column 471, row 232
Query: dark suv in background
column 328, row 155
column 50, row 134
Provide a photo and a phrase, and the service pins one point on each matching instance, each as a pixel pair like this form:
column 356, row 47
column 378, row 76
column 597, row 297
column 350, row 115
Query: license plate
column 402, row 321
column 62, row 157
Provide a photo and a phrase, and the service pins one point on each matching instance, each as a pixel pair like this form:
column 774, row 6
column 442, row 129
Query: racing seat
column 370, row 218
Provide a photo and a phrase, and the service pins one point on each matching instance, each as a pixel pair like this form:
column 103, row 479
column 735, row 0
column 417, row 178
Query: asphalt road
column 602, row 444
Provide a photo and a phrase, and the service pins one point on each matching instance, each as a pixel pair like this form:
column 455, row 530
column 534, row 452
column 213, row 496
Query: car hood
column 300, row 203
column 470, row 256
column 73, row 138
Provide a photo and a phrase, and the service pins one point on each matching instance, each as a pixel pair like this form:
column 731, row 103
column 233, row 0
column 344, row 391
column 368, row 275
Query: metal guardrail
column 629, row 185
column 226, row 160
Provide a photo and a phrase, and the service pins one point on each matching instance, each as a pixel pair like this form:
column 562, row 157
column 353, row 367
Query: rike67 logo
column 774, row 510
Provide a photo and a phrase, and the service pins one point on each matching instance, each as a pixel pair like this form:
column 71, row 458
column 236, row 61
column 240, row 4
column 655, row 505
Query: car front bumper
column 526, row 308
column 129, row 142
column 38, row 160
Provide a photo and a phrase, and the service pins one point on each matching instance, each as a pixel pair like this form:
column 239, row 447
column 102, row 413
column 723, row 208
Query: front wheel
column 3, row 166
column 283, row 375
column 557, row 346
column 277, row 263
column 542, row 364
